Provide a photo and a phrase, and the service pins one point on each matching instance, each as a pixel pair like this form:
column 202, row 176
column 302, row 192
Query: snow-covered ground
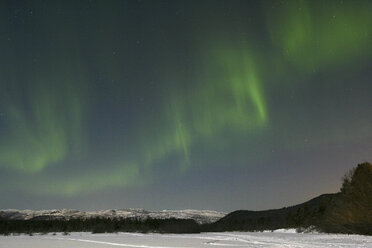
column 228, row 239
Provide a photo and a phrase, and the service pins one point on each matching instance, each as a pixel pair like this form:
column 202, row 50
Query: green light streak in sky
column 229, row 97
column 173, row 138
column 30, row 149
column 313, row 34
column 182, row 139
column 46, row 130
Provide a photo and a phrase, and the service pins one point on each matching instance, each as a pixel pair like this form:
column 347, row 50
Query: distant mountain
column 200, row 216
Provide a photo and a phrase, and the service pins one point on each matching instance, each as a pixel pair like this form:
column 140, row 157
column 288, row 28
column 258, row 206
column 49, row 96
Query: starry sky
column 219, row 105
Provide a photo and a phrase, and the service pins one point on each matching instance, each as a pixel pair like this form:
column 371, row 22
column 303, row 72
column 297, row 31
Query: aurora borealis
column 181, row 104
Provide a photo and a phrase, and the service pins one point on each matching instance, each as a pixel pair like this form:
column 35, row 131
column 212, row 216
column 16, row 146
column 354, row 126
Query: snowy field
column 228, row 239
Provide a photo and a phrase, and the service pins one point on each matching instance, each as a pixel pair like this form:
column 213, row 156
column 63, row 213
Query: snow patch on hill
column 200, row 216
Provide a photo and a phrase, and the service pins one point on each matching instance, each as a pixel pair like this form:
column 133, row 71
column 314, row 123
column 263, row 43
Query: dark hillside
column 349, row 211
column 304, row 214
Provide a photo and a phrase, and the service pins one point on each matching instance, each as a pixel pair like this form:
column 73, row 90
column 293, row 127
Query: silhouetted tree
column 352, row 210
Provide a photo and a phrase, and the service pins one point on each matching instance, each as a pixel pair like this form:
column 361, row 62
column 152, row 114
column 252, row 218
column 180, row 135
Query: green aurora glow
column 324, row 33
column 89, row 103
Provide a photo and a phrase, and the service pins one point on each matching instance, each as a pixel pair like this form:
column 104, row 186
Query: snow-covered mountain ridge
column 200, row 216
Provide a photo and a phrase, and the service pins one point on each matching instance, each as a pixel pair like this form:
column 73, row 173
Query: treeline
column 99, row 225
column 308, row 216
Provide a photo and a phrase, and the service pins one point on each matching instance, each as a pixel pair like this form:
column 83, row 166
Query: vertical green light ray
column 44, row 122
column 182, row 139
column 232, row 95
column 45, row 100
column 228, row 97
column 42, row 133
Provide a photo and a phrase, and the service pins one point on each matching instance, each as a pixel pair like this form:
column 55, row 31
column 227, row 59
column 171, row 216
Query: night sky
column 219, row 105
